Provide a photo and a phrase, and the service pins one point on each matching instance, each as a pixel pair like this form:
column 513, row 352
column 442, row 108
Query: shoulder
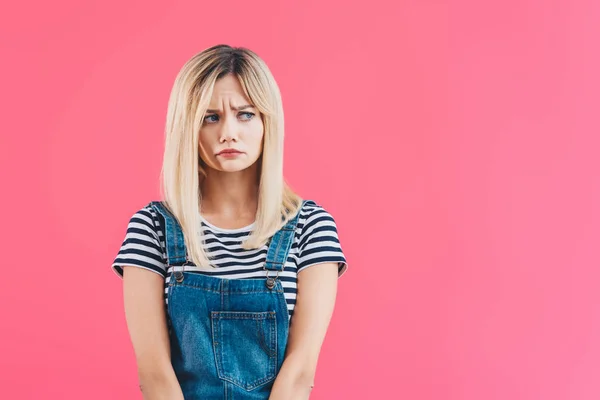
column 142, row 246
column 147, row 211
column 315, row 221
column 313, row 212
column 318, row 240
column 146, row 218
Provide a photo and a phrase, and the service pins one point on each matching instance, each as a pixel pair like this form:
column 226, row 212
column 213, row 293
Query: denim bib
column 227, row 336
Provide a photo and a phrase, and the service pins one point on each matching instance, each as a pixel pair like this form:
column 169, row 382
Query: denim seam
column 219, row 291
column 170, row 304
column 229, row 315
column 279, row 241
column 260, row 332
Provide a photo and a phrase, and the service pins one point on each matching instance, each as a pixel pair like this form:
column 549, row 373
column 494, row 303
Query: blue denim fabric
column 228, row 336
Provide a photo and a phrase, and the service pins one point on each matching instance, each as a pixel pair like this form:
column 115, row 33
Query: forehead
column 228, row 86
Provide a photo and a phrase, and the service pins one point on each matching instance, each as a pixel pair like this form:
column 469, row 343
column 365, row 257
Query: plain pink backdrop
column 455, row 142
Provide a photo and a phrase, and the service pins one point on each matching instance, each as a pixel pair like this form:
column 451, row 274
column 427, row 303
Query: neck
column 230, row 194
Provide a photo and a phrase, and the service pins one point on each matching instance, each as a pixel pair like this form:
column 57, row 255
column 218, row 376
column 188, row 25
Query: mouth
column 229, row 152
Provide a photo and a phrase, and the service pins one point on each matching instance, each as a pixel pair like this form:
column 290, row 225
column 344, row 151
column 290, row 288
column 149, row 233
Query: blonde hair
column 181, row 169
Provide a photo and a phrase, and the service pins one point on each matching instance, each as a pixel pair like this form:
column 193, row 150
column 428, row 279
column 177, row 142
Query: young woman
column 234, row 275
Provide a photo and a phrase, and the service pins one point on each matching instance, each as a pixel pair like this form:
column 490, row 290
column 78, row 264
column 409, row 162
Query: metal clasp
column 179, row 274
column 271, row 281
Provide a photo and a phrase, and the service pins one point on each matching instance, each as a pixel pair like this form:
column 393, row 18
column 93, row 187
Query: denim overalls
column 227, row 336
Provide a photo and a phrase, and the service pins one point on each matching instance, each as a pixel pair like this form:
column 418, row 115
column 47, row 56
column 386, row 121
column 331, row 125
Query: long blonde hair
column 181, row 169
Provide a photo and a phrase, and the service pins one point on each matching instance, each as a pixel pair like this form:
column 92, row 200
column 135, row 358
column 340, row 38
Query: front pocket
column 245, row 346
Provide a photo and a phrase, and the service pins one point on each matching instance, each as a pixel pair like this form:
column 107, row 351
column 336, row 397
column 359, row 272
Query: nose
column 229, row 129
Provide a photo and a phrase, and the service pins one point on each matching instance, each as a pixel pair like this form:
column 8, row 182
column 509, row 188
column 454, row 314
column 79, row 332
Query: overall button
column 179, row 276
column 270, row 283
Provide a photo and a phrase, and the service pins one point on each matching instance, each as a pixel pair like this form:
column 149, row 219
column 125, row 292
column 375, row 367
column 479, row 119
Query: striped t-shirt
column 315, row 242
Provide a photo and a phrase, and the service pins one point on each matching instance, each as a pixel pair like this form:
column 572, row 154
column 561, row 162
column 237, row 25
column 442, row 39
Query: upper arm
column 142, row 265
column 320, row 263
column 143, row 296
column 319, row 242
column 315, row 300
column 142, row 246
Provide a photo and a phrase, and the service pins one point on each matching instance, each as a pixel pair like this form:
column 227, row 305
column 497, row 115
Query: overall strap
column 281, row 243
column 174, row 240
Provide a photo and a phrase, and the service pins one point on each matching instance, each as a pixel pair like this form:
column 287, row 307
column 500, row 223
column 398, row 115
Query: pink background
column 455, row 142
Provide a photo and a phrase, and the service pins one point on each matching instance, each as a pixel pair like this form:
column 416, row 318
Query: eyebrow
column 233, row 108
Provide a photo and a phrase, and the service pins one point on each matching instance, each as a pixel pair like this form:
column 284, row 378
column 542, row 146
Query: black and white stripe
column 315, row 242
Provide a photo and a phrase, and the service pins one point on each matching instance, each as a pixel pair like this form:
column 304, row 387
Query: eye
column 249, row 115
column 206, row 119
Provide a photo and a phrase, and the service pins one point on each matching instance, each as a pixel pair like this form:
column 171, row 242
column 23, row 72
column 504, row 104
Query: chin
column 234, row 167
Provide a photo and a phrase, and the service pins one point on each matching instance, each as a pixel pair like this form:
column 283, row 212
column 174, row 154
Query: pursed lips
column 229, row 151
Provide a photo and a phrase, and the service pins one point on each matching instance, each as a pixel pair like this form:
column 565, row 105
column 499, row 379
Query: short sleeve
column 141, row 246
column 319, row 242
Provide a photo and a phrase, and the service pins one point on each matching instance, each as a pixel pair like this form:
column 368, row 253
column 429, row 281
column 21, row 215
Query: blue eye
column 209, row 116
column 248, row 117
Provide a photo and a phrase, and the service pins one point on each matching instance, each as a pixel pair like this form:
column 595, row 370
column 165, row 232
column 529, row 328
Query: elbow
column 155, row 373
column 301, row 371
column 306, row 379
column 156, row 383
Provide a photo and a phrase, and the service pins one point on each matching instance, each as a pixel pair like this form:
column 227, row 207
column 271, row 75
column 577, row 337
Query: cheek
column 257, row 142
column 257, row 135
column 203, row 148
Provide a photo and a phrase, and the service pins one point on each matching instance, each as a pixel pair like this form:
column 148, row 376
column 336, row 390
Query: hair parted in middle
column 182, row 168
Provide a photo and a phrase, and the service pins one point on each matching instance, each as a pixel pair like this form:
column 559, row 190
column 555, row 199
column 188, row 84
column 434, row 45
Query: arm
column 143, row 294
column 317, row 289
